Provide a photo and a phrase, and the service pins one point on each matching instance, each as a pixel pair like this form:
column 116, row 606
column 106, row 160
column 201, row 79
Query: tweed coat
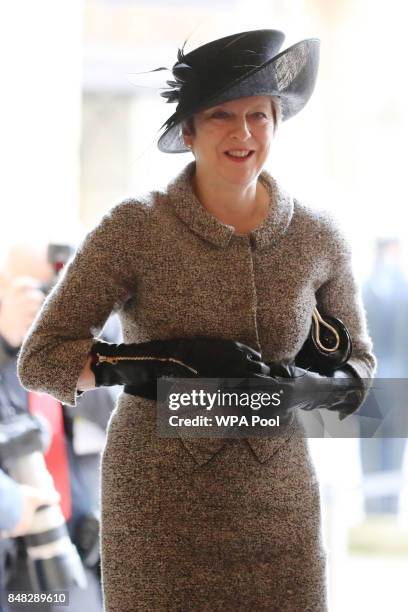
column 202, row 524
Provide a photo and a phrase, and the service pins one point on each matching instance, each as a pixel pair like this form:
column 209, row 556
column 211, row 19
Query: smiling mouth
column 239, row 155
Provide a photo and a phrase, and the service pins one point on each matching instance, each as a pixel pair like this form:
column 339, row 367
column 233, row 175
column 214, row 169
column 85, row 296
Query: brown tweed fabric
column 202, row 525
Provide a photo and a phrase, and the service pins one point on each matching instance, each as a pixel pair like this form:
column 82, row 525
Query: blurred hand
column 20, row 302
column 33, row 498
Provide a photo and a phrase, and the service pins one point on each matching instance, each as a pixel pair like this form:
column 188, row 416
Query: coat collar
column 189, row 209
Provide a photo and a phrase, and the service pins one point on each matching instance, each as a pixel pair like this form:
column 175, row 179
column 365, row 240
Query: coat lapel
column 189, row 209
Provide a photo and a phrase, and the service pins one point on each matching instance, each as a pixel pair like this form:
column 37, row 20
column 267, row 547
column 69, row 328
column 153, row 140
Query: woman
column 215, row 276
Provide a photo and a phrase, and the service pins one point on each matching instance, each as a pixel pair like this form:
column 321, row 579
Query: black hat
column 236, row 66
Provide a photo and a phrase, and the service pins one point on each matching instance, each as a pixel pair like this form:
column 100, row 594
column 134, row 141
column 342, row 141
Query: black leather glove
column 138, row 366
column 342, row 391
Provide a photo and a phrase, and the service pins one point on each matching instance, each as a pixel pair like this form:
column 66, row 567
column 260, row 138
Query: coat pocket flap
column 264, row 448
column 203, row 449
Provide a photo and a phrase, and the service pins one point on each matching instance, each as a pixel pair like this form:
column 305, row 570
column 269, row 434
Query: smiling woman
column 231, row 143
column 217, row 276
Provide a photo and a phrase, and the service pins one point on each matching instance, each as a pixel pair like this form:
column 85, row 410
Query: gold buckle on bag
column 317, row 318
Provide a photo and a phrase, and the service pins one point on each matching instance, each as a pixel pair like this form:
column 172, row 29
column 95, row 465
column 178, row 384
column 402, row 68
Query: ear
column 187, row 136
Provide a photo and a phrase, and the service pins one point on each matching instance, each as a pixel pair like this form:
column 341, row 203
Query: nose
column 241, row 130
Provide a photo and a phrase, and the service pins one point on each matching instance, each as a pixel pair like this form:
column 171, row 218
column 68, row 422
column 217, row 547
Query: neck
column 237, row 205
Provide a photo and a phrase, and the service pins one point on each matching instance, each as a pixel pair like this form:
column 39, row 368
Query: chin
column 241, row 175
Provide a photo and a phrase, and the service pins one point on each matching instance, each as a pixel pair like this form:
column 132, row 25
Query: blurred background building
column 79, row 126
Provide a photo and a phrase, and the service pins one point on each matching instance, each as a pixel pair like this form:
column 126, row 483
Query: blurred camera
column 53, row 560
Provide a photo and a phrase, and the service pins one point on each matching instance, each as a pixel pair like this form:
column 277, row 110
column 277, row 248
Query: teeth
column 239, row 153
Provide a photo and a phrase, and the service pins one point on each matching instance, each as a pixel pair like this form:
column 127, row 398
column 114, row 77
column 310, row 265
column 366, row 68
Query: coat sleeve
column 341, row 296
column 99, row 279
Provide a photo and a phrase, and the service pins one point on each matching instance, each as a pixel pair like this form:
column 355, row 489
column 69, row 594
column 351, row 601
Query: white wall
column 40, row 117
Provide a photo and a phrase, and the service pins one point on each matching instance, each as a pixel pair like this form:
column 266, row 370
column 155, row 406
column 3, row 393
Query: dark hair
column 276, row 113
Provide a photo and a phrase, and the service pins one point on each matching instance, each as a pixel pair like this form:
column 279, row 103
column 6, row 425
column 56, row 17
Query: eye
column 260, row 115
column 219, row 114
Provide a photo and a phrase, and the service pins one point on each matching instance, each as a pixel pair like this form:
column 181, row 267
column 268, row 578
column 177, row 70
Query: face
column 231, row 141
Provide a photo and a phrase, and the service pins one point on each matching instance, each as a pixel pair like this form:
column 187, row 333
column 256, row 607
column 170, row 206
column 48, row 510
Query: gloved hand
column 139, row 365
column 343, row 391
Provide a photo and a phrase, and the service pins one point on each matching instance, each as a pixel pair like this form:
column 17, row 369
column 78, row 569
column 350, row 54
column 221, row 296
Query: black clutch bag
column 327, row 347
